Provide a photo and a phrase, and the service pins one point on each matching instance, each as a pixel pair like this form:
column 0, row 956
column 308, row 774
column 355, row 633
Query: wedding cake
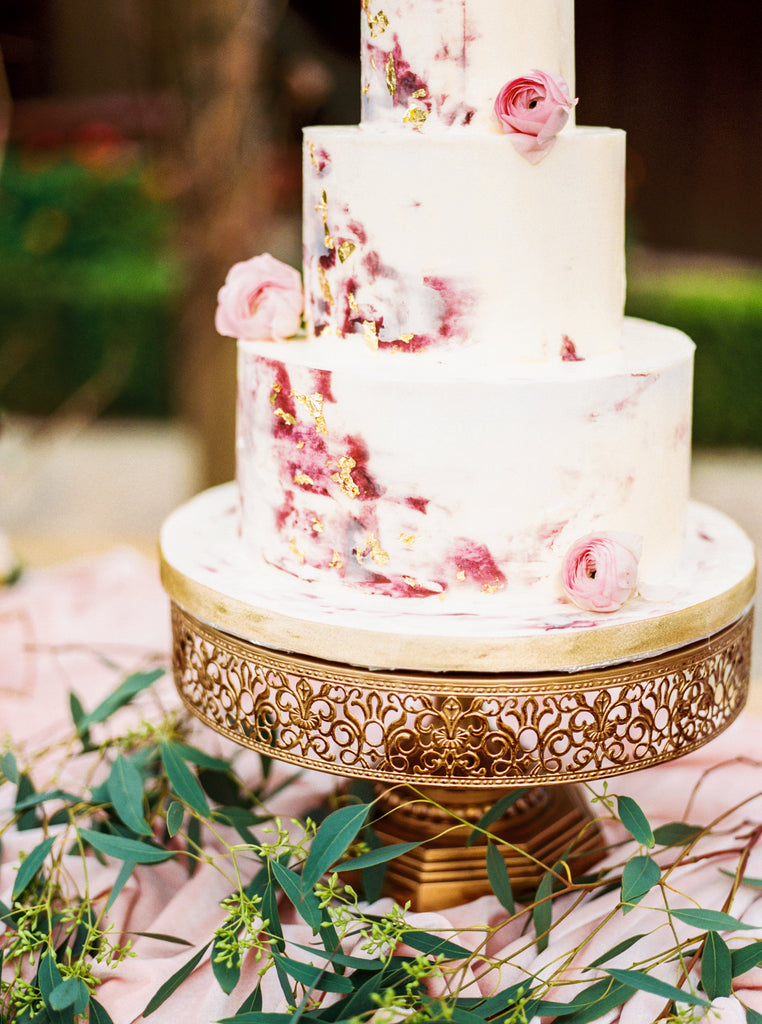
column 467, row 401
column 446, row 427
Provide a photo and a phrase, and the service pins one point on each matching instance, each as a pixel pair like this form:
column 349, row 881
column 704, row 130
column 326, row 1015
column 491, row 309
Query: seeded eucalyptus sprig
column 148, row 795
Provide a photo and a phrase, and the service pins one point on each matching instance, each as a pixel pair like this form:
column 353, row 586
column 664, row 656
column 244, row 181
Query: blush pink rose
column 600, row 571
column 532, row 110
column 262, row 298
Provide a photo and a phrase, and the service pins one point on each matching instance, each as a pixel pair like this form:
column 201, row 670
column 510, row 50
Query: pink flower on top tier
column 532, row 110
column 262, row 298
column 600, row 571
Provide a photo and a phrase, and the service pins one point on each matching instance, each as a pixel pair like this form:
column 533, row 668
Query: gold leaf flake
column 491, row 588
column 314, row 406
column 336, row 561
column 407, row 538
column 317, row 526
column 322, row 206
column 274, row 393
column 461, row 577
column 312, row 153
column 295, row 548
column 419, row 94
column 370, row 333
column 303, row 480
column 406, row 338
column 325, row 287
column 352, row 301
column 411, row 582
column 345, row 250
column 365, row 89
column 300, row 444
column 285, row 416
column 415, row 116
column 377, row 553
column 344, row 477
column 391, row 75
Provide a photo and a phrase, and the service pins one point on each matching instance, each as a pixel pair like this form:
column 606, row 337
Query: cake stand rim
column 556, row 650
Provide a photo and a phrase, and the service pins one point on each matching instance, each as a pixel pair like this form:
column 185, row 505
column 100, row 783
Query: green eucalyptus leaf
column 746, row 957
column 184, row 782
column 163, row 937
column 125, row 872
column 461, row 1016
column 716, row 967
column 594, row 1003
column 129, row 689
column 620, row 947
column 28, row 819
column 497, row 810
column 256, row 1017
column 710, row 920
column 640, row 875
column 35, row 799
column 314, row 977
column 339, row 959
column 175, row 815
column 202, row 760
column 227, row 974
column 435, row 945
column 131, row 850
column 49, row 978
column 125, row 790
column 334, row 835
column 647, row 983
column 252, row 1003
column 72, row 993
column 752, row 1017
column 172, row 984
column 31, row 865
column 499, row 879
column 381, row 855
column 304, row 902
column 9, row 767
column 635, row 821
column 542, row 911
column 677, row 833
column 98, row 1013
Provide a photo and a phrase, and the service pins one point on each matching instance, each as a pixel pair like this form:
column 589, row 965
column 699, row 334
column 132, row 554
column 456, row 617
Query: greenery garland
column 147, row 796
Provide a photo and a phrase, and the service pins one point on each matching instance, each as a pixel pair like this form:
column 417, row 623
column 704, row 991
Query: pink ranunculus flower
column 532, row 110
column 600, row 571
column 262, row 298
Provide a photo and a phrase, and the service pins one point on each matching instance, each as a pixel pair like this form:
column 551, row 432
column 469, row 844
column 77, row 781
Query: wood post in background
column 226, row 199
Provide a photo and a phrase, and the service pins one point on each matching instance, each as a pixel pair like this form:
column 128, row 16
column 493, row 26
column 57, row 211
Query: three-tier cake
column 467, row 455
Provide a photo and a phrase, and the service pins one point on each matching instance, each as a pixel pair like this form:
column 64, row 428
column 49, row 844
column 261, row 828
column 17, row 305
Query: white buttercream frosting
column 446, row 60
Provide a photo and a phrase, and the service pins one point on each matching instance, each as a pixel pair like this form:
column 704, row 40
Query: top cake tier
column 440, row 63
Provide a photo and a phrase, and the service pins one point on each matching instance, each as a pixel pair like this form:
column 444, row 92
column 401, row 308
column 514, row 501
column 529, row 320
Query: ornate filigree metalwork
column 478, row 730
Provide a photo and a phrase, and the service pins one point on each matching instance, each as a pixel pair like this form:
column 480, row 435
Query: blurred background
column 148, row 146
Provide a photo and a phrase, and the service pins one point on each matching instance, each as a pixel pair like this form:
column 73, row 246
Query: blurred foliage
column 721, row 310
column 88, row 285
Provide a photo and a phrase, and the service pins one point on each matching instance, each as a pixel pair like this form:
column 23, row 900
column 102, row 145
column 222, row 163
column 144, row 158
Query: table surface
column 84, row 624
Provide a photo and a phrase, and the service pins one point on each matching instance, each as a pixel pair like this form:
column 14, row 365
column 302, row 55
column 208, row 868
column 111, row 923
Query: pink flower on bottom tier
column 600, row 571
column 532, row 110
column 262, row 298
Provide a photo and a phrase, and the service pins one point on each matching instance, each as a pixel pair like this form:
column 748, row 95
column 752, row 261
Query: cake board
column 447, row 711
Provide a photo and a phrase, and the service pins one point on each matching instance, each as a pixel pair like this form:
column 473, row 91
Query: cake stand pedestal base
column 545, row 825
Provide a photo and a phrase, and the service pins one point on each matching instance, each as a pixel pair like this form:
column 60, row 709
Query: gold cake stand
column 444, row 746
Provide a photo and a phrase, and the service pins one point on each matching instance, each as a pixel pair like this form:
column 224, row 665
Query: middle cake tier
column 453, row 242
column 410, row 477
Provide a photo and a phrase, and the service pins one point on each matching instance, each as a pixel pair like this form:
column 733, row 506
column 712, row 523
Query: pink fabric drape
column 83, row 626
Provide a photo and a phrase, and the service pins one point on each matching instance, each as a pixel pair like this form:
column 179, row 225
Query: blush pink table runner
column 86, row 624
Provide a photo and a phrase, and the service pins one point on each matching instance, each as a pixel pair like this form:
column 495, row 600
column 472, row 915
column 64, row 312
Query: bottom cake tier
column 399, row 475
column 209, row 571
